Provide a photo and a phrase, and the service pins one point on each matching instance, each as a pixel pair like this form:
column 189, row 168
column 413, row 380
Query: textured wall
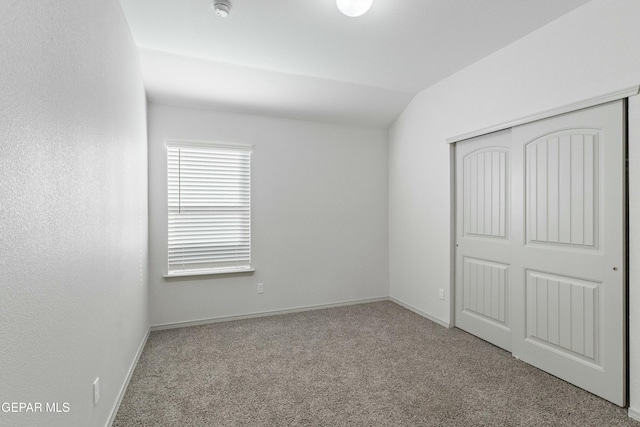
column 319, row 215
column 73, row 208
column 589, row 52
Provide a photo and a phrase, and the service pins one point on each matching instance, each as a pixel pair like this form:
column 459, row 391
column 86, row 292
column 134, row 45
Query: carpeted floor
column 373, row 364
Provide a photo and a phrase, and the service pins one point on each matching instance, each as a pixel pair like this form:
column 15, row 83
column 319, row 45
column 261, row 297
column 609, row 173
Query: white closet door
column 568, row 264
column 483, row 255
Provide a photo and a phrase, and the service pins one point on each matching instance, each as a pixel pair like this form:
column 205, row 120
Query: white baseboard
column 123, row 389
column 634, row 413
column 420, row 312
column 262, row 314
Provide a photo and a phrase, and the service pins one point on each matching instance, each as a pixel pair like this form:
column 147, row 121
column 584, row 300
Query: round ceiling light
column 222, row 7
column 354, row 7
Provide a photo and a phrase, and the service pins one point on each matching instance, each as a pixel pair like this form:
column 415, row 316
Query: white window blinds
column 209, row 198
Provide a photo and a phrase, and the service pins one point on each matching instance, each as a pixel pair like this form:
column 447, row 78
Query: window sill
column 208, row 272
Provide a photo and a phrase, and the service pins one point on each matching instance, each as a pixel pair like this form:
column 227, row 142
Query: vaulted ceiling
column 304, row 59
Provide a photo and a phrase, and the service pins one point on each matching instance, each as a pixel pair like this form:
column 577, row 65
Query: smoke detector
column 222, row 7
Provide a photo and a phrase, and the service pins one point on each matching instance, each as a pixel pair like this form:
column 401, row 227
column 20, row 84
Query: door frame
column 633, row 246
column 633, row 116
column 631, row 95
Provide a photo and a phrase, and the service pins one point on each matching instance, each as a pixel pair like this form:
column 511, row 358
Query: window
column 209, row 201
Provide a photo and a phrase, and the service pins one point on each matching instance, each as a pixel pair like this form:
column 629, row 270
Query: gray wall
column 319, row 215
column 73, row 210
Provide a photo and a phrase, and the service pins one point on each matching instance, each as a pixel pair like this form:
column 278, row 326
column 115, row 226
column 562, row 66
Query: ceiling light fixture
column 222, row 7
column 354, row 7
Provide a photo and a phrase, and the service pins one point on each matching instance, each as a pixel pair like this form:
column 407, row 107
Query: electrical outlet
column 260, row 288
column 96, row 391
column 441, row 294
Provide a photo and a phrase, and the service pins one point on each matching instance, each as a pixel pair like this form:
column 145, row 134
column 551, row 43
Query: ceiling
column 304, row 59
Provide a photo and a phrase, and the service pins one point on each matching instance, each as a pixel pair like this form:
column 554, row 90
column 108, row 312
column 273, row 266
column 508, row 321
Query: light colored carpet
column 373, row 364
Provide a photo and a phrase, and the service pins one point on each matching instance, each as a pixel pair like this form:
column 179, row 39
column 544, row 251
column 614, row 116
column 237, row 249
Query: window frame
column 167, row 273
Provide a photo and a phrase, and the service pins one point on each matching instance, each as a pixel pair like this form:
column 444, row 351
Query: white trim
column 420, row 312
column 208, row 144
column 123, row 389
column 208, row 272
column 612, row 96
column 452, row 235
column 262, row 314
column 634, row 414
column 633, row 241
